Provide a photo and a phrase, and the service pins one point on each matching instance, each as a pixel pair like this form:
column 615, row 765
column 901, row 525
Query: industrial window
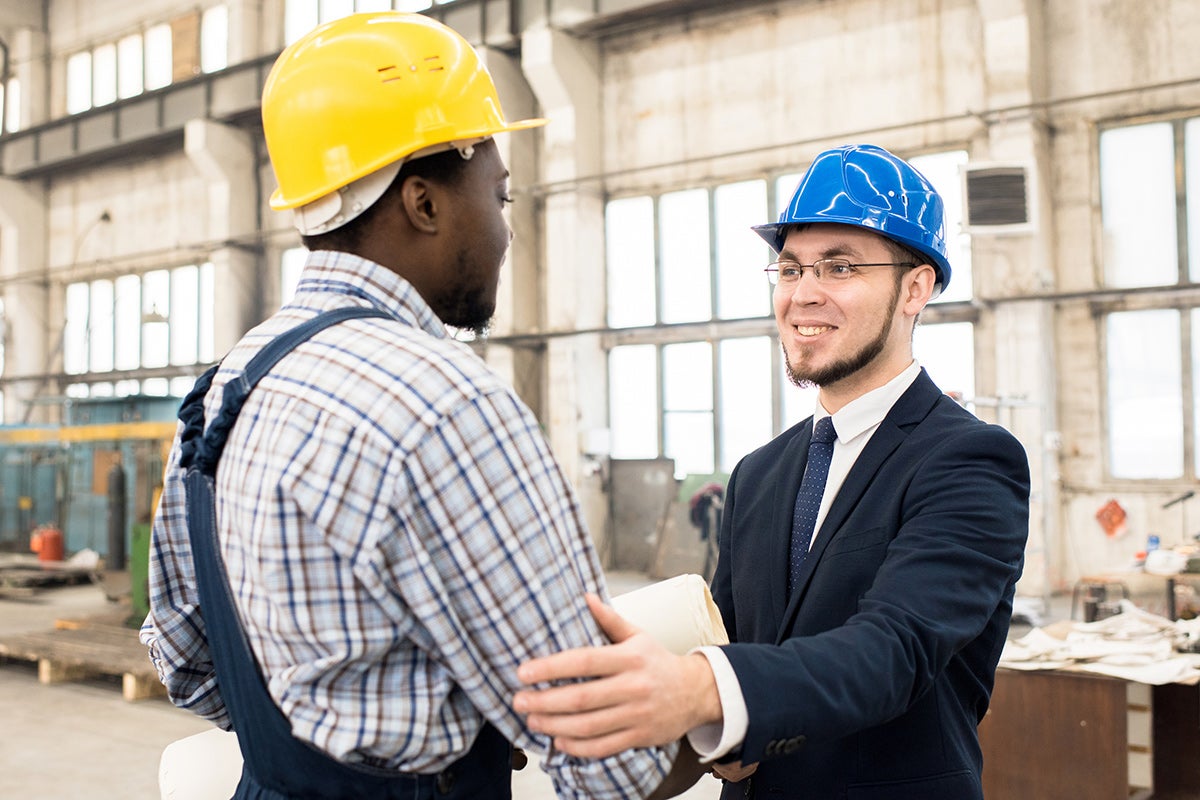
column 130, row 77
column 3, row 339
column 689, row 258
column 153, row 321
column 1151, row 241
column 148, row 60
column 301, row 16
column 290, row 265
column 214, row 39
column 10, row 106
column 158, row 67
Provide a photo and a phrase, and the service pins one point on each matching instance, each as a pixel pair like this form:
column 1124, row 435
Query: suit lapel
column 912, row 407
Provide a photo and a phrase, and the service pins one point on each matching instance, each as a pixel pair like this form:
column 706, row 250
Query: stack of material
column 1134, row 645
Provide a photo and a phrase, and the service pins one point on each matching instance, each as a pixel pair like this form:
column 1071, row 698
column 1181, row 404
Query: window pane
column 75, row 340
column 745, row 397
column 100, row 327
column 185, row 298
column 633, row 401
column 1145, row 394
column 742, row 288
column 158, row 57
column 158, row 387
column 335, row 9
column 1196, row 386
column 947, row 352
column 214, row 39
column 1192, row 150
column 629, row 258
column 687, row 407
column 179, row 387
column 1137, row 198
column 290, row 266
column 129, row 66
column 785, row 187
column 373, row 5
column 126, row 388
column 11, row 110
column 687, row 377
column 684, row 247
column 207, row 351
column 944, row 171
column 688, row 438
column 104, row 74
column 413, row 5
column 299, row 17
column 128, row 313
column 156, row 305
column 79, row 83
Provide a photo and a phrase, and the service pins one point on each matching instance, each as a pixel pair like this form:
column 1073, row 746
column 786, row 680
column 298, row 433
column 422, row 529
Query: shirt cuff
column 715, row 739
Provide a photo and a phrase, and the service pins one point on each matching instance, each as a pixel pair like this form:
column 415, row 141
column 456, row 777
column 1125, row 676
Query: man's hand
column 643, row 695
column 734, row 772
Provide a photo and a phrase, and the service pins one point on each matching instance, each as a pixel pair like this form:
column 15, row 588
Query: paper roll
column 678, row 612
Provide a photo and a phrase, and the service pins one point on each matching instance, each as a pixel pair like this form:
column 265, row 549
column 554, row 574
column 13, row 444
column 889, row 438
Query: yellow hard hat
column 367, row 90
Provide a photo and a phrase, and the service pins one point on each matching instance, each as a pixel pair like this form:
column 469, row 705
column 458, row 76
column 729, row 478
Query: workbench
column 1060, row 735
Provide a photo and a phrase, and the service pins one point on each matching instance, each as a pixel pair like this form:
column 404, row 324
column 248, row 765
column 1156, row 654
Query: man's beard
column 844, row 368
column 465, row 304
column 469, row 311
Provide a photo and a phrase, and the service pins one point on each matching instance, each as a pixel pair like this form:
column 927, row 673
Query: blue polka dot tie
column 808, row 499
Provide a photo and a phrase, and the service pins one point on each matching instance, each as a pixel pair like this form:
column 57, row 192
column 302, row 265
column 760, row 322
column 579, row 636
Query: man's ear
column 419, row 204
column 919, row 285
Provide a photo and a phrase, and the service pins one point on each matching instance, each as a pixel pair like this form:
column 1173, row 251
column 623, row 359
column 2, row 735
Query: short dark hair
column 444, row 168
column 902, row 254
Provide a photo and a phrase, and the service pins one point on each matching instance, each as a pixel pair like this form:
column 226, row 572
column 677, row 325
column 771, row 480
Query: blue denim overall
column 276, row 765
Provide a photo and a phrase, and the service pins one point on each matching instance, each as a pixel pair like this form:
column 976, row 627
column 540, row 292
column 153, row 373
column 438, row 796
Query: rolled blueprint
column 678, row 612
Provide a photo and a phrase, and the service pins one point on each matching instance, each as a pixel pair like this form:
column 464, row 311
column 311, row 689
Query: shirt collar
column 337, row 273
column 865, row 413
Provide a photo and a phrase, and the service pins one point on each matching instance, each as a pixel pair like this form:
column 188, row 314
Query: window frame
column 715, row 330
column 1183, row 296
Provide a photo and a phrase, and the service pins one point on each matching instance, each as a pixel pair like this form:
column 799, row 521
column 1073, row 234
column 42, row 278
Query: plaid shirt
column 398, row 538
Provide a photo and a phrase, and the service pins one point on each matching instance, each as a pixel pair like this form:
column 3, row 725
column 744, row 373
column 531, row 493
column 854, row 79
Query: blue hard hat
column 868, row 187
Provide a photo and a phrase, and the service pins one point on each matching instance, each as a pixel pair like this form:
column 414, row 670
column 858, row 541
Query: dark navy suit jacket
column 869, row 683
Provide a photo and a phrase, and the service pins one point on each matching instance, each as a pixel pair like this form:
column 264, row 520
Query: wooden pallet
column 23, row 576
column 77, row 651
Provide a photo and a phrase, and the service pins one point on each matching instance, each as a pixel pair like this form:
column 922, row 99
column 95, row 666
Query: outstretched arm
column 641, row 695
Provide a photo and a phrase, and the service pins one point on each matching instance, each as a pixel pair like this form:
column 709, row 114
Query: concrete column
column 565, row 75
column 224, row 157
column 28, row 64
column 28, row 336
column 1006, row 264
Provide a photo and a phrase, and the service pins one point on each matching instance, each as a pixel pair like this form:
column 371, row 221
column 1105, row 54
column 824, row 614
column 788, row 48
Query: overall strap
column 275, row 764
column 203, row 448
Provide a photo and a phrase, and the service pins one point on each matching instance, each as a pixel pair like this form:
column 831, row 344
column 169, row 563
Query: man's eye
column 789, row 272
column 840, row 270
column 505, row 198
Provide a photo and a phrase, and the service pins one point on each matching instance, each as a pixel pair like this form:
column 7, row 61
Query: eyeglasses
column 827, row 271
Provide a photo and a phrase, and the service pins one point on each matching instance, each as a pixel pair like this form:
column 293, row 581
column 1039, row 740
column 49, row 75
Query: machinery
column 96, row 478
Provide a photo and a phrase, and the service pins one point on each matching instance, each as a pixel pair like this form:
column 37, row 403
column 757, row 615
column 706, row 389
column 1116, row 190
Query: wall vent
column 998, row 198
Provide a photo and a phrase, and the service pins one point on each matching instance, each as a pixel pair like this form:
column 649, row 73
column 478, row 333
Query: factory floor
column 80, row 740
